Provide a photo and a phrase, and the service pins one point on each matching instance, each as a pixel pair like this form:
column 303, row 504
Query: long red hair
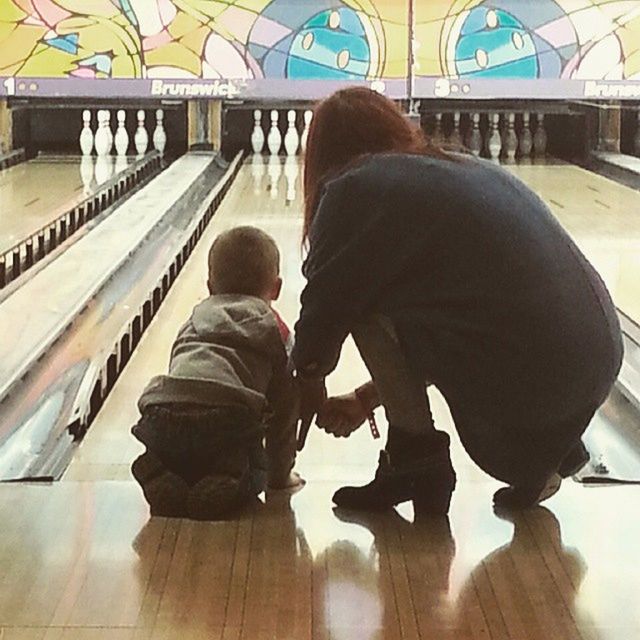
column 348, row 125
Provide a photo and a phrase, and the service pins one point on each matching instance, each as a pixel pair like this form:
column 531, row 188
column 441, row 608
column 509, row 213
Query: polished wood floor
column 81, row 559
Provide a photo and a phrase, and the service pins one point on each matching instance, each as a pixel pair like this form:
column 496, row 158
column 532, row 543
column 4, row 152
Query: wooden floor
column 81, row 559
column 34, row 193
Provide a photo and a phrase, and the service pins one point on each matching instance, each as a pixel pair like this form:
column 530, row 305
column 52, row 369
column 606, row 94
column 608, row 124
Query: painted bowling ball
column 493, row 43
column 308, row 41
column 506, row 39
column 331, row 45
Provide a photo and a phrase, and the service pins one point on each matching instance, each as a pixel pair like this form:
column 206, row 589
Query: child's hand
column 293, row 481
column 342, row 415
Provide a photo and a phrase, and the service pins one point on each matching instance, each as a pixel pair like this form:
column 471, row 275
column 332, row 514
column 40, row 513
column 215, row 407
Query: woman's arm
column 348, row 263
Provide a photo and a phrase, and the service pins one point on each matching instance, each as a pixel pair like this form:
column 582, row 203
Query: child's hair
column 243, row 260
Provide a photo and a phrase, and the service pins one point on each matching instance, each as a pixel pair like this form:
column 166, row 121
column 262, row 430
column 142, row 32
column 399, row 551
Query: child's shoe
column 166, row 492
column 215, row 496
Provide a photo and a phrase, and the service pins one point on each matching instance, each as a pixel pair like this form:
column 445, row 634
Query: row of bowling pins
column 104, row 140
column 501, row 138
column 274, row 169
column 294, row 141
column 94, row 172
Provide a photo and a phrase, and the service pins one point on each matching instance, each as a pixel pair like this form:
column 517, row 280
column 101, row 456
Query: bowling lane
column 602, row 216
column 36, row 192
column 257, row 197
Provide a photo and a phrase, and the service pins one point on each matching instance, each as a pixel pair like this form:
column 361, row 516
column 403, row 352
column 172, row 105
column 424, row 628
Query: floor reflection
column 527, row 588
column 377, row 576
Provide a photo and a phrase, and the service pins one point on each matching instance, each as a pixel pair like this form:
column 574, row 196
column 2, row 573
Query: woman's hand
column 342, row 415
column 313, row 394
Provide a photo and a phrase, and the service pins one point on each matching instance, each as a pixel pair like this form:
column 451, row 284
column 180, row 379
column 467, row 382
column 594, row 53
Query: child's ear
column 277, row 288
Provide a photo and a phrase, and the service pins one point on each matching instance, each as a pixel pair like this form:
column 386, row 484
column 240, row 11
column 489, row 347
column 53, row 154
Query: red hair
column 348, row 125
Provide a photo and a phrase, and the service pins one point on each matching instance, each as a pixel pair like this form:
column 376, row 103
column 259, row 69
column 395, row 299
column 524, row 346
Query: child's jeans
column 193, row 442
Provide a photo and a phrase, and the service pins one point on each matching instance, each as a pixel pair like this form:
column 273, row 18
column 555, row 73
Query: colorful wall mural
column 239, row 39
column 528, row 39
column 320, row 39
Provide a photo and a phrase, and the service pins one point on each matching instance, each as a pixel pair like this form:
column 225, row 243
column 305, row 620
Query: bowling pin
column 257, row 135
column 494, row 143
column 475, row 136
column 87, row 170
column 291, row 171
column 159, row 134
column 291, row 139
column 510, row 144
column 258, row 170
column 274, row 139
column 122, row 137
column 101, row 138
column 636, row 140
column 107, row 117
column 437, row 130
column 274, row 171
column 540, row 139
column 141, row 138
column 308, row 117
column 86, row 135
column 526, row 141
column 456, row 139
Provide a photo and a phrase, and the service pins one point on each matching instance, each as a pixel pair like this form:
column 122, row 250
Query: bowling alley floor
column 81, row 559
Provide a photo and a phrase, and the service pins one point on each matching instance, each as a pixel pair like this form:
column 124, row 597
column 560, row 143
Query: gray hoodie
column 229, row 352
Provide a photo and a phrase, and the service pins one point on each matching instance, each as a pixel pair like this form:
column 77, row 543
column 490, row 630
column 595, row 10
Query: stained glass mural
column 333, row 40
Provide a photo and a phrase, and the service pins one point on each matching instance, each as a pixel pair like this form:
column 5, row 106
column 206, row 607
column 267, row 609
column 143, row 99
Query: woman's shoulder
column 392, row 171
column 379, row 166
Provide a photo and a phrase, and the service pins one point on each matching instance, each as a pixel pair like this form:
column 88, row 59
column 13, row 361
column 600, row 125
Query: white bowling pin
column 437, row 137
column 159, row 135
column 107, row 117
column 308, row 117
column 274, row 171
column 274, row 139
column 87, row 170
column 291, row 138
column 257, row 135
column 540, row 139
column 122, row 137
column 456, row 138
column 526, row 141
column 258, row 170
column 475, row 136
column 494, row 143
column 510, row 144
column 101, row 139
column 141, row 138
column 86, row 135
column 291, row 171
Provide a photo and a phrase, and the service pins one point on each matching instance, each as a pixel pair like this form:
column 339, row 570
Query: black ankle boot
column 575, row 459
column 407, row 470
